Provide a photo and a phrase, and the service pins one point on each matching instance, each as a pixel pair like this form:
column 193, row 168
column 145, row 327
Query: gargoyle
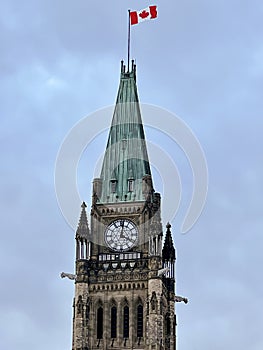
column 68, row 275
column 178, row 299
column 163, row 271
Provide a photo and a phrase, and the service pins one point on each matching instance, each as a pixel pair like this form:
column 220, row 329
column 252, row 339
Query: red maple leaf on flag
column 144, row 14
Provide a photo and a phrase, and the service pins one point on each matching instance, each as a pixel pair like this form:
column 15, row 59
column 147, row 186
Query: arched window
column 100, row 323
column 113, row 322
column 126, row 322
column 140, row 321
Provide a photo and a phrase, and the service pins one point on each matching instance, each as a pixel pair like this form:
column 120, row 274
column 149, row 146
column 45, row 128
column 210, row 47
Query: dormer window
column 130, row 185
column 113, row 184
column 124, row 143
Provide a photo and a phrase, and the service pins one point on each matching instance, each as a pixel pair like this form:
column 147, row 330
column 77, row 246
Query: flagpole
column 129, row 38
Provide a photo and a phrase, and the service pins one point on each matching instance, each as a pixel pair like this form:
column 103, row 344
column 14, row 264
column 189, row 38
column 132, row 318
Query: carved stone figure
column 179, row 299
column 68, row 275
column 163, row 271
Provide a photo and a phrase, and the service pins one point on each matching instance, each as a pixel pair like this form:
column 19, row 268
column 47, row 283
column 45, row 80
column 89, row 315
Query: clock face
column 121, row 235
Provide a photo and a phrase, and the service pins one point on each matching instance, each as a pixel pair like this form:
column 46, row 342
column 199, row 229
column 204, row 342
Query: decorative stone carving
column 68, row 275
column 163, row 271
column 179, row 299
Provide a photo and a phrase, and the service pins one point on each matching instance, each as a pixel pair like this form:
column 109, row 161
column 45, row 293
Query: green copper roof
column 125, row 160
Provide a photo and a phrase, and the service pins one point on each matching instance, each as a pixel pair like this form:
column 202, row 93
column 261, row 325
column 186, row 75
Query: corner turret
column 82, row 235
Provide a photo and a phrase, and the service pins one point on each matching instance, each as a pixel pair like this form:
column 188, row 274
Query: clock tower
column 124, row 278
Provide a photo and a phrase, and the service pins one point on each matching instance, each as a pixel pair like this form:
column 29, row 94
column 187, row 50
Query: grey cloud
column 202, row 60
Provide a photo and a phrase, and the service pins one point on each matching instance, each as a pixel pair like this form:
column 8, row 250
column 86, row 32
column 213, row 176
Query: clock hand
column 122, row 235
column 122, row 226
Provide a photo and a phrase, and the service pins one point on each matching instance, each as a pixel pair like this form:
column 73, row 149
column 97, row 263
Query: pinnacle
column 83, row 226
column 168, row 247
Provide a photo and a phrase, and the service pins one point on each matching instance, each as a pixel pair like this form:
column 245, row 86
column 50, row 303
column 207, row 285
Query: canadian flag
column 143, row 15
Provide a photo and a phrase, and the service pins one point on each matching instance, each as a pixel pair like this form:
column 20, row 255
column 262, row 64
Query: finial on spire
column 129, row 72
column 122, row 67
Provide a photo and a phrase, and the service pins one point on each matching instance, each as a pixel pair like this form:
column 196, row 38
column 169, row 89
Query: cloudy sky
column 203, row 61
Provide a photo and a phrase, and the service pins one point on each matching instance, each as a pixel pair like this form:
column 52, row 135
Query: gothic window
column 99, row 323
column 113, row 322
column 126, row 322
column 139, row 321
